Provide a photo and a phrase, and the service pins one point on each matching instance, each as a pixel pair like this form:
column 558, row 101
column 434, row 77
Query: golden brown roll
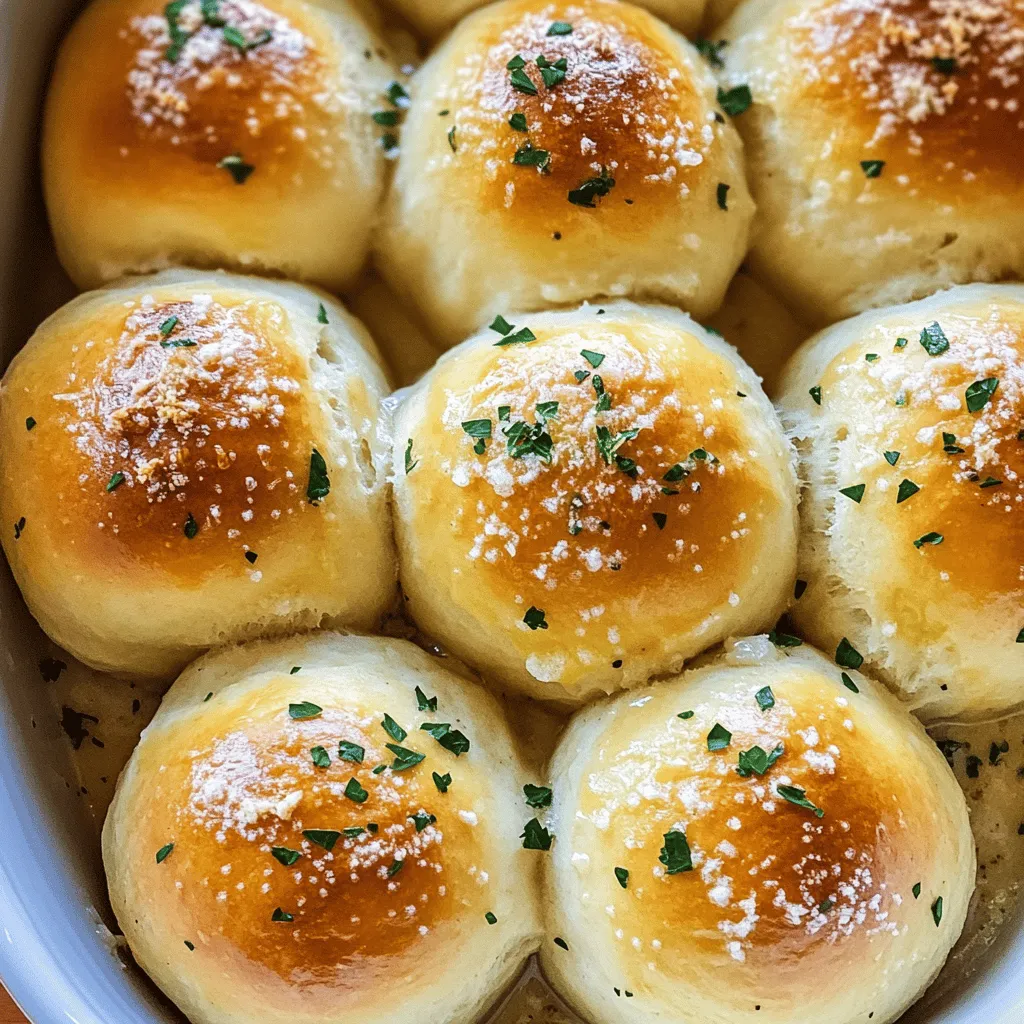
column 578, row 512
column 289, row 844
column 761, row 840
column 193, row 459
column 217, row 134
column 883, row 145
column 908, row 422
column 557, row 153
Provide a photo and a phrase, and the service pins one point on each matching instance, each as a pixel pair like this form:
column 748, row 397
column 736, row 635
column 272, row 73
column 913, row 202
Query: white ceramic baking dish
column 57, row 957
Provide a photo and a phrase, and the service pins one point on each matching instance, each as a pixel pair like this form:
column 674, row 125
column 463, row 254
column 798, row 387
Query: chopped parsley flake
column 736, row 100
column 937, row 911
column 115, row 481
column 594, row 358
column 622, row 877
column 892, row 457
column 979, row 393
column 916, row 890
column 559, row 28
column 451, row 739
column 537, row 796
column 324, row 837
column 675, row 853
column 757, row 761
column 442, row 781
column 685, row 715
column 872, row 168
column 319, row 485
column 849, row 683
column 29, row 423
column 349, row 751
column 490, row 918
column 164, row 852
column 518, row 122
column 719, row 737
column 527, row 156
column 355, row 792
column 929, row 538
column 304, row 709
column 404, row 758
column 410, row 465
column 236, row 167
column 815, row 393
column 321, row 315
column 191, row 527
column 710, row 51
column 534, row 618
column 535, row 836
column 765, row 698
column 281, row 915
column 284, row 855
column 393, row 729
column 848, row 656
column 934, row 339
column 795, row 795
column 854, row 493
column 425, row 703
column 784, row 639
column 591, row 189
column 722, row 192
column 907, row 489
column 320, row 757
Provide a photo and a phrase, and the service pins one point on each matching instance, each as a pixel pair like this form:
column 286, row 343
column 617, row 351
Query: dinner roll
column 607, row 169
column 225, row 133
column 912, row 540
column 190, row 460
column 578, row 512
column 762, row 840
column 281, row 850
column 883, row 145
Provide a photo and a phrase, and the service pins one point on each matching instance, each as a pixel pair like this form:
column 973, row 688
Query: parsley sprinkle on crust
column 736, row 100
column 535, row 836
column 937, row 911
column 765, row 698
column 425, row 703
column 320, row 757
column 979, row 393
column 907, row 489
column 319, row 485
column 534, row 618
column 351, row 752
column 355, row 792
column 164, row 852
column 284, row 855
column 191, row 527
column 442, row 781
column 281, row 915
column 721, row 193
column 537, row 796
column 325, row 837
column 719, row 737
column 622, row 877
column 848, row 656
column 303, row 710
column 321, row 315
column 854, row 493
column 393, row 729
column 404, row 758
column 934, row 340
column 675, row 853
column 929, row 538
column 591, row 189
column 872, row 168
column 559, row 28
column 236, row 167
column 796, row 796
column 410, row 465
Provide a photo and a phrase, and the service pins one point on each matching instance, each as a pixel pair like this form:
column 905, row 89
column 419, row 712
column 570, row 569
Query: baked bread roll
column 579, row 512
column 279, row 850
column 606, row 170
column 761, row 840
column 883, row 145
column 190, row 460
column 227, row 134
column 911, row 542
